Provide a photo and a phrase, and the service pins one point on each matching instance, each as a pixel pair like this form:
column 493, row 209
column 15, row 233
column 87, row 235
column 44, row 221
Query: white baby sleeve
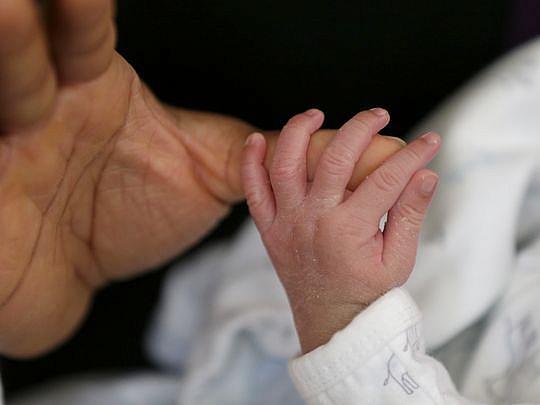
column 379, row 358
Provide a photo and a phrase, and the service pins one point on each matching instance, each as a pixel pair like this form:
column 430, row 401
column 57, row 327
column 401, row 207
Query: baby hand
column 325, row 241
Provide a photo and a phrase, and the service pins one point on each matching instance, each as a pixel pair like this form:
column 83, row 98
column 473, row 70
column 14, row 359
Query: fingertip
column 382, row 115
column 428, row 183
column 254, row 154
column 288, row 166
column 255, row 148
column 256, row 183
column 380, row 112
column 315, row 114
column 308, row 121
column 427, row 172
column 255, row 139
column 431, row 138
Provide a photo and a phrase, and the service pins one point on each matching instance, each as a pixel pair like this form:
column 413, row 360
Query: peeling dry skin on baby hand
column 325, row 241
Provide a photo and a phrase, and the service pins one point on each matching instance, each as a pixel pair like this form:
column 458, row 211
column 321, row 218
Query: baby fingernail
column 431, row 138
column 428, row 185
column 252, row 138
column 380, row 112
column 313, row 112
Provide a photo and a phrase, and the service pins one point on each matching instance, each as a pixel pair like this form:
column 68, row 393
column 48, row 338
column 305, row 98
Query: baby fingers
column 288, row 170
column 380, row 191
column 337, row 163
column 402, row 229
column 256, row 183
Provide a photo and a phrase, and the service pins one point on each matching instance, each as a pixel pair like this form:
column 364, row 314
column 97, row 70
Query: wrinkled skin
column 324, row 240
column 99, row 181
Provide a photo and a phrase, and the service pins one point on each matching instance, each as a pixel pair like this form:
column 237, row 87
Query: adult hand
column 98, row 180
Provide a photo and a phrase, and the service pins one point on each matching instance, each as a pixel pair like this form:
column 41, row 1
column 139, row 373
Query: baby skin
column 324, row 240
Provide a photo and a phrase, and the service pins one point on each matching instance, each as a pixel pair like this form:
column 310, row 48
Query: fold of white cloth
column 379, row 358
column 487, row 203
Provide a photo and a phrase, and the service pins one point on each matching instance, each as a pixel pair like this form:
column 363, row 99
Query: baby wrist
column 351, row 348
column 317, row 324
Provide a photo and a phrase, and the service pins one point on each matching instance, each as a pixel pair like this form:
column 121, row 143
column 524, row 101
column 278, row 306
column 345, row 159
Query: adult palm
column 98, row 180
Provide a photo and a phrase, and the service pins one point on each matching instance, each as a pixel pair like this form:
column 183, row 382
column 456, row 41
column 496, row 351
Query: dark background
column 263, row 61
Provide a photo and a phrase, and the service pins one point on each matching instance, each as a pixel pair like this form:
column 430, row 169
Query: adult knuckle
column 29, row 86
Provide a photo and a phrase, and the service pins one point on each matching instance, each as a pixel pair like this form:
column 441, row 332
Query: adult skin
column 99, row 181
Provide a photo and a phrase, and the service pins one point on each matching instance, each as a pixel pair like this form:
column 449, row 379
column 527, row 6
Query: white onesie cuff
column 350, row 349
